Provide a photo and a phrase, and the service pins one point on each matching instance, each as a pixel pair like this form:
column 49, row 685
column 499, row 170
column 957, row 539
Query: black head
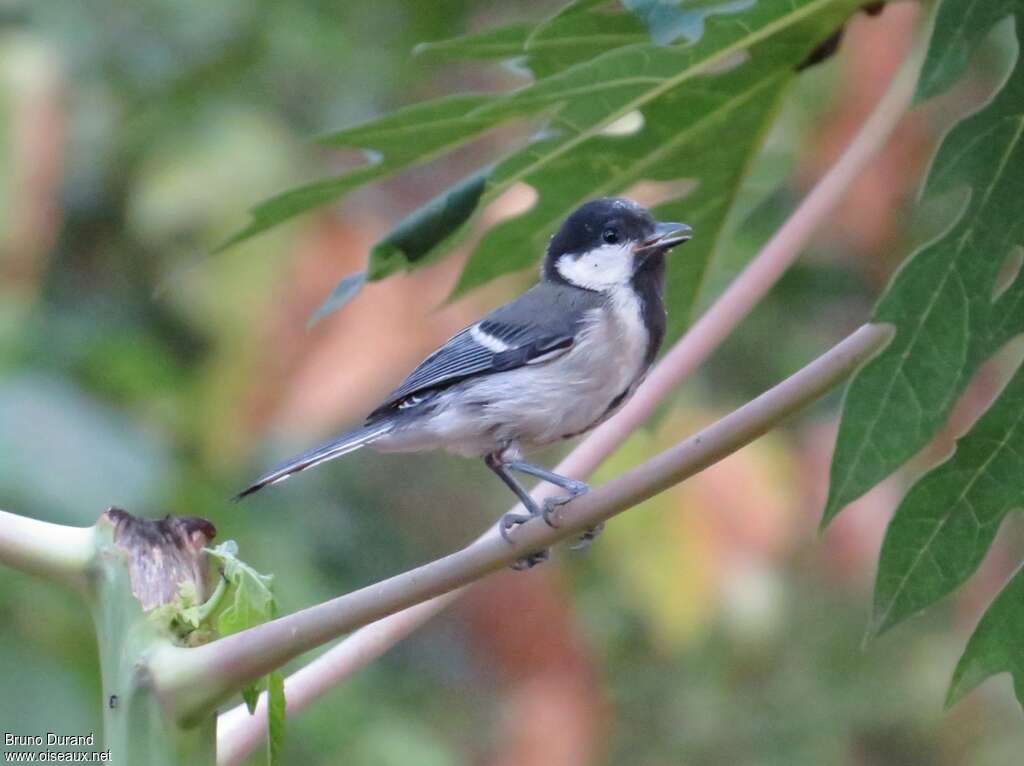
column 606, row 241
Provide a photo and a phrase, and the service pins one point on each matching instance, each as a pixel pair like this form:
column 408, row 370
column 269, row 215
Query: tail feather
column 344, row 444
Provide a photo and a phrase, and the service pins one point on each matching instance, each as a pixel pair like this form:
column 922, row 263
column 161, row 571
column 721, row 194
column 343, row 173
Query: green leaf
column 946, row 523
column 276, row 717
column 995, row 644
column 405, row 138
column 596, row 71
column 960, row 27
column 498, row 43
column 420, row 233
column 250, row 599
column 412, row 241
column 941, row 300
column 249, row 602
column 184, row 618
column 574, row 34
column 251, row 696
column 578, row 33
column 670, row 20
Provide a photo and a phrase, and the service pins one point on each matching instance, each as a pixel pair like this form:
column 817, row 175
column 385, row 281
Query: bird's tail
column 344, row 444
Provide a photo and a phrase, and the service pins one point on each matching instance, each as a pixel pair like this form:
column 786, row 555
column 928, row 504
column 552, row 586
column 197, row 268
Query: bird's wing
column 482, row 348
column 535, row 328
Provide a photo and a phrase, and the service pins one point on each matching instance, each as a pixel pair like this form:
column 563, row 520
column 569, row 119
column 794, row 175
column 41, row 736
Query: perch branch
column 192, row 682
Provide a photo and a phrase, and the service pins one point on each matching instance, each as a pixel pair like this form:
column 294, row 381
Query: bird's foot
column 549, row 512
column 552, row 504
column 577, row 488
column 584, row 541
column 531, row 560
column 510, row 521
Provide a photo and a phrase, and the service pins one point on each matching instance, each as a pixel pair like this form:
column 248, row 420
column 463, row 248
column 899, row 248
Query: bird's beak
column 666, row 236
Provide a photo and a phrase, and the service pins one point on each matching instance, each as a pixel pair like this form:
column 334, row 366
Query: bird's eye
column 610, row 236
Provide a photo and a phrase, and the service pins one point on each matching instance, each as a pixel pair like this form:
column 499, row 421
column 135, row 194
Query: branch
column 240, row 732
column 192, row 682
column 55, row 551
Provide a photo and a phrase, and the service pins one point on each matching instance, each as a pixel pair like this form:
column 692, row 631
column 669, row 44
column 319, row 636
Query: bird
column 550, row 365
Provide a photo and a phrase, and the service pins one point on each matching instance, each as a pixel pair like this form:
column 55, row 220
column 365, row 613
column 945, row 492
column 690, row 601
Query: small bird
column 552, row 364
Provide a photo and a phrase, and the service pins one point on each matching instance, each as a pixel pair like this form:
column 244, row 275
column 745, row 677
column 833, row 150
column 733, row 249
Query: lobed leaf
column 669, row 21
column 714, row 68
column 578, row 33
column 703, row 109
column 249, row 601
column 499, row 43
column 960, row 26
column 946, row 523
column 994, row 646
column 941, row 300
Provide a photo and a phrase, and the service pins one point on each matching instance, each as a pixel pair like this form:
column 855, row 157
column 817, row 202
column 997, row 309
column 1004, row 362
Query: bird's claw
column 550, row 508
column 509, row 522
column 552, row 504
column 531, row 560
column 548, row 512
column 577, row 488
column 587, row 538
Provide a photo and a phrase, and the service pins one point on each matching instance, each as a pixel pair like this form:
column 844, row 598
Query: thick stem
column 54, row 551
column 192, row 682
column 122, row 567
column 134, row 568
column 687, row 355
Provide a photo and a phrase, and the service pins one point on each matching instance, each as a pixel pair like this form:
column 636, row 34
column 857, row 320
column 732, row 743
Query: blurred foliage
column 715, row 628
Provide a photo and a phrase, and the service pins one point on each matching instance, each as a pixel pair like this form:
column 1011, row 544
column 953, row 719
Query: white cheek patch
column 599, row 269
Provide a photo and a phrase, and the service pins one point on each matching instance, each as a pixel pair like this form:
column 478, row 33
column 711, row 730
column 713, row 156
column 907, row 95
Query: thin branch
column 54, row 551
column 240, row 732
column 192, row 682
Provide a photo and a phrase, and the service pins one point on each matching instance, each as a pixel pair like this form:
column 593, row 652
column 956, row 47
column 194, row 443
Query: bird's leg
column 511, row 520
column 572, row 486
